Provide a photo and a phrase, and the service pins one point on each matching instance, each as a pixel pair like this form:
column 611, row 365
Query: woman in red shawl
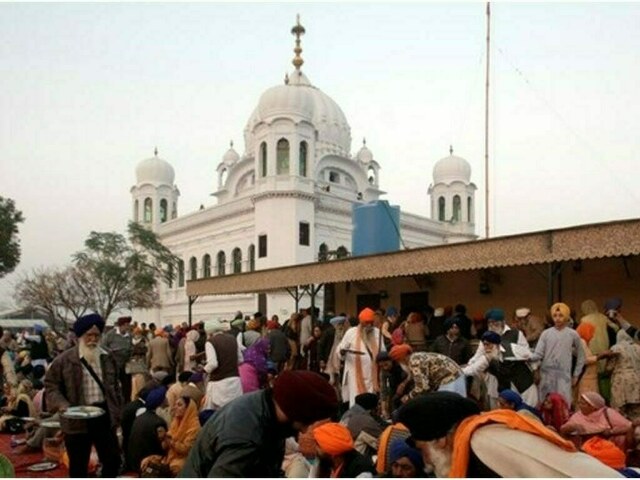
column 555, row 411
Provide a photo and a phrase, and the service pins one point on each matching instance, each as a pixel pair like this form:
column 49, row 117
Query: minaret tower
column 154, row 196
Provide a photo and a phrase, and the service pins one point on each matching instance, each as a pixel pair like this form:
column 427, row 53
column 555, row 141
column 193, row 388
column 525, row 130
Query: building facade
column 287, row 200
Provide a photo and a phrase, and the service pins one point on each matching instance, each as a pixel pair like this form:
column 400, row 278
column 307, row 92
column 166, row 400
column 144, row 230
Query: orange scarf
column 373, row 351
column 183, row 431
column 513, row 420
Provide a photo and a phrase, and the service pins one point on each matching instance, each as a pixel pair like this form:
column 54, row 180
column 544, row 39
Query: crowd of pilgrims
column 316, row 397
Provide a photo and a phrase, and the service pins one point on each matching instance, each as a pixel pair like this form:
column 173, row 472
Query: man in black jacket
column 87, row 375
column 245, row 438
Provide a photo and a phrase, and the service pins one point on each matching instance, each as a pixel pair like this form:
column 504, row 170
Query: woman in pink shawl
column 253, row 371
column 595, row 418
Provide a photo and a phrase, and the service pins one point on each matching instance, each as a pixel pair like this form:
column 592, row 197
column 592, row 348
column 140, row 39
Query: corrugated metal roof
column 22, row 323
column 613, row 239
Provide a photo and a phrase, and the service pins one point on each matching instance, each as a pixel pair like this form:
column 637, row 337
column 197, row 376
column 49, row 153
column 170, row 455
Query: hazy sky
column 88, row 91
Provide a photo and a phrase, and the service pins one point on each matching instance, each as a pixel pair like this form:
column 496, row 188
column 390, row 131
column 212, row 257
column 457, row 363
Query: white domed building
column 286, row 200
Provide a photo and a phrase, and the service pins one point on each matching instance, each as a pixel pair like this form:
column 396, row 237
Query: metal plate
column 50, row 424
column 83, row 412
column 42, row 466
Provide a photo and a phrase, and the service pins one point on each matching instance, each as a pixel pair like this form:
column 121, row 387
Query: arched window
column 193, row 269
column 282, row 158
column 174, row 210
column 206, row 266
column 372, row 175
column 441, row 209
column 223, row 177
column 180, row 273
column 252, row 257
column 457, row 208
column 170, row 274
column 237, row 260
column 136, row 212
column 303, row 159
column 263, row 159
column 323, row 253
column 222, row 259
column 164, row 210
column 469, row 208
column 342, row 252
column 148, row 210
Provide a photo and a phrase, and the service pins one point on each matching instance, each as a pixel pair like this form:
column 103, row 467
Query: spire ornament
column 450, row 149
column 155, row 152
column 298, row 30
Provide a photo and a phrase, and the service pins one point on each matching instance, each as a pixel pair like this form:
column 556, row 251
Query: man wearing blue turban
column 81, row 376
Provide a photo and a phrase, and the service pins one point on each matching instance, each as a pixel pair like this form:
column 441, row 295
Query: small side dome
column 231, row 156
column 364, row 155
column 155, row 170
column 451, row 169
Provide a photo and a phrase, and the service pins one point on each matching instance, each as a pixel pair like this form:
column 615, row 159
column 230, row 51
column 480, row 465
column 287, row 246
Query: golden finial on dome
column 364, row 141
column 231, row 144
column 298, row 30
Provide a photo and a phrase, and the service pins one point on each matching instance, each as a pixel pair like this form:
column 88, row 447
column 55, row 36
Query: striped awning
column 612, row 239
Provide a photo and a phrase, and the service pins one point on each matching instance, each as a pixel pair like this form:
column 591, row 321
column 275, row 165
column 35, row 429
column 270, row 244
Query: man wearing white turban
column 223, row 357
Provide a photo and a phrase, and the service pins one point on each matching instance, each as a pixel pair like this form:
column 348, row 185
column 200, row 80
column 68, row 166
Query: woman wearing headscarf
column 595, row 418
column 19, row 403
column 190, row 351
column 253, row 371
column 177, row 442
column 416, row 332
column 137, row 364
column 292, row 331
column 625, row 368
column 555, row 411
column 588, row 381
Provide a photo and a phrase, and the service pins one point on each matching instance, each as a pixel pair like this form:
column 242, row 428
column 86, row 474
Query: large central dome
column 298, row 100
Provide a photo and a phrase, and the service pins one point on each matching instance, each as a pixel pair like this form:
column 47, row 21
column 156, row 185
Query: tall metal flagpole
column 486, row 130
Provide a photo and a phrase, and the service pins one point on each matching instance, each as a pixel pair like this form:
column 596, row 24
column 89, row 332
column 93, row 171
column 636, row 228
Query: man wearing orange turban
column 336, row 455
column 367, row 316
column 589, row 379
column 399, row 352
column 359, row 347
column 555, row 348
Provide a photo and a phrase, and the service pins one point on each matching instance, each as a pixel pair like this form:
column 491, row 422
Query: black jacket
column 280, row 350
column 354, row 464
column 143, row 440
column 242, row 439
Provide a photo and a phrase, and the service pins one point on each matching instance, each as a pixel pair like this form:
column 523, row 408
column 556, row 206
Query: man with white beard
column 515, row 374
column 458, row 441
column 87, row 375
column 359, row 347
